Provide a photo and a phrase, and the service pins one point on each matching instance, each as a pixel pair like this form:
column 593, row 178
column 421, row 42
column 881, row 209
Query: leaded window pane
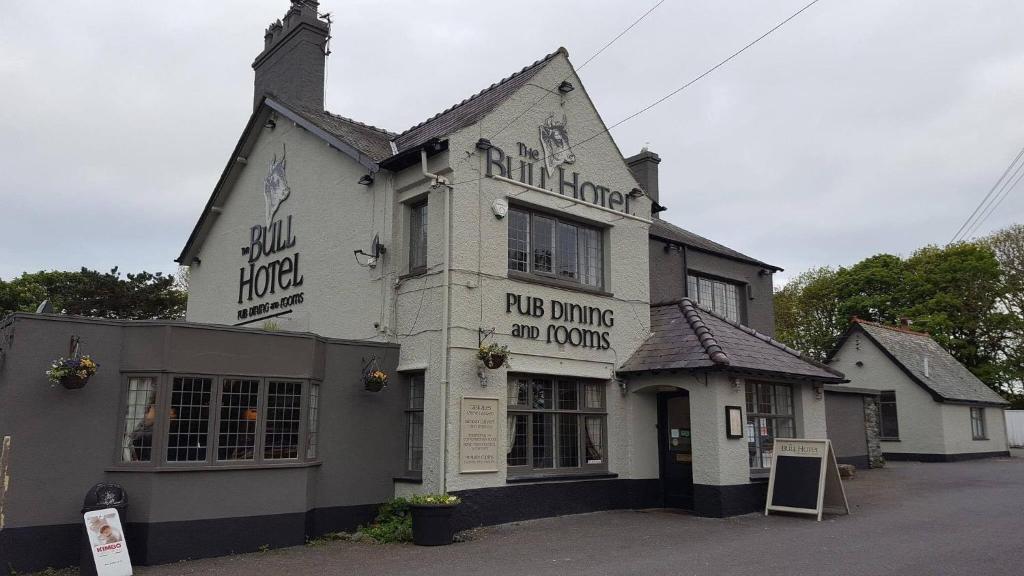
column 543, row 244
column 239, row 414
column 568, row 395
column 593, row 395
column 139, row 418
column 313, row 422
column 418, row 237
column 414, row 423
column 189, row 419
column 518, row 437
column 543, row 440
column 769, row 416
column 518, row 240
column 722, row 298
column 591, row 257
column 284, row 409
column 518, row 392
column 568, row 265
column 568, row 440
column 543, row 394
column 595, row 438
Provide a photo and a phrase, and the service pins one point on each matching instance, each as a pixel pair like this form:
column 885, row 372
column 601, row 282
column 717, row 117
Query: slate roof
column 947, row 379
column 687, row 337
column 472, row 109
column 667, row 231
column 370, row 140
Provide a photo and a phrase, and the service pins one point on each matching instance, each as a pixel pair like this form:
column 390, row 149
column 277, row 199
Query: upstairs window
column 418, row 238
column 720, row 297
column 554, row 248
column 888, row 421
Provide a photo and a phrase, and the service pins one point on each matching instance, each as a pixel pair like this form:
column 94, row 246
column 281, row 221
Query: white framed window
column 418, row 216
column 720, row 297
column 565, row 250
column 769, row 416
column 978, row 431
column 556, row 425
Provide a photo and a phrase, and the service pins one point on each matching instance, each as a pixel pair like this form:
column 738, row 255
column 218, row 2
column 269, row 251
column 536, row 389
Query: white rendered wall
column 956, row 421
column 919, row 415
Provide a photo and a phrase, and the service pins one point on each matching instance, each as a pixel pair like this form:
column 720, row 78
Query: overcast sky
column 858, row 128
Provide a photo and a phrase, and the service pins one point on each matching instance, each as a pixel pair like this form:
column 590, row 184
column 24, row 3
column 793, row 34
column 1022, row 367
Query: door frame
column 662, row 401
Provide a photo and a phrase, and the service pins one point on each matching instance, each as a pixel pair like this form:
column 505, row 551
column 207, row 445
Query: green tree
column 90, row 293
column 873, row 289
column 1008, row 246
column 807, row 312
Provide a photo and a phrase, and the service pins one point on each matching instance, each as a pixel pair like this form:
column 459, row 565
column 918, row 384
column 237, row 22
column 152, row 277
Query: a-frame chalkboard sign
column 805, row 479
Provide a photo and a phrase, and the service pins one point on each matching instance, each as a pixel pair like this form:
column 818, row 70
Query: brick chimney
column 291, row 66
column 644, row 167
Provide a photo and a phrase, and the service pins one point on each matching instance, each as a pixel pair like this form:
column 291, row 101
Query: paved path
column 908, row 519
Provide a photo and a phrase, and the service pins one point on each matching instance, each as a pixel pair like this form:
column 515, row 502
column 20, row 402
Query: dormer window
column 720, row 297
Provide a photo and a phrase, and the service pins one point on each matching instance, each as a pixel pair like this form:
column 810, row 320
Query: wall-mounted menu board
column 805, row 479
column 478, row 435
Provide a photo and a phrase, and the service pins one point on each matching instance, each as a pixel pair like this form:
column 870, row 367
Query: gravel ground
column 907, row 519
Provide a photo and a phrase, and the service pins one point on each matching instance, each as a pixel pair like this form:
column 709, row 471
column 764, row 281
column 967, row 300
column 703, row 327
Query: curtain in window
column 595, row 451
column 140, row 414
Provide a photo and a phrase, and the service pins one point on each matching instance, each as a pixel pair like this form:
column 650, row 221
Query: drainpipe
column 445, row 314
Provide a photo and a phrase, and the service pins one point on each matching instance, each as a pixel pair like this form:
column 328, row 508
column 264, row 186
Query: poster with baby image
column 109, row 550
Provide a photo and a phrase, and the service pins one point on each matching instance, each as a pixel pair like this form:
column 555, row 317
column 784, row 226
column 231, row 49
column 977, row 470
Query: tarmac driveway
column 907, row 519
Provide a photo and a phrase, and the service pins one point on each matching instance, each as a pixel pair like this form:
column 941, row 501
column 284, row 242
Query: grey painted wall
column 64, row 441
column 668, row 281
column 844, row 416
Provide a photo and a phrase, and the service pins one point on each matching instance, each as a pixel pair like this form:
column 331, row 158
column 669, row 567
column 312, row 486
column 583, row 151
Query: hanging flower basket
column 375, row 380
column 493, row 355
column 72, row 373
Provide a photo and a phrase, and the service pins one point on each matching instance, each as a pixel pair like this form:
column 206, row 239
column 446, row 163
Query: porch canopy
column 687, row 338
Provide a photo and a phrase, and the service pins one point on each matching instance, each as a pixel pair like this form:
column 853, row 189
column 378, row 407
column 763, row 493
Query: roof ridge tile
column 704, row 335
column 858, row 320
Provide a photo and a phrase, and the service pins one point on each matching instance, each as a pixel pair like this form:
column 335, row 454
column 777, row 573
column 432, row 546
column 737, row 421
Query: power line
column 995, row 203
column 681, row 88
column 588, row 61
column 1002, row 179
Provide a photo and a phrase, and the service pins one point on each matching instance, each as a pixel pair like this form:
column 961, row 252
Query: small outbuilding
column 931, row 407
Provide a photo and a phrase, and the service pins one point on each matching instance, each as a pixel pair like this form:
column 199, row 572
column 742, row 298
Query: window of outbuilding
column 555, row 425
column 720, row 297
column 769, row 416
column 567, row 251
column 888, row 420
column 978, row 431
column 211, row 421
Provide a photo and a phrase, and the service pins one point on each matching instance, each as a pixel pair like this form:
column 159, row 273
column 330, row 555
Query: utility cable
column 1002, row 179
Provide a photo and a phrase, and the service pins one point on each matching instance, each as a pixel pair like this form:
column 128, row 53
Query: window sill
column 556, row 283
column 980, row 439
column 408, row 479
column 149, row 468
column 888, row 439
column 413, row 274
column 760, row 478
column 523, row 478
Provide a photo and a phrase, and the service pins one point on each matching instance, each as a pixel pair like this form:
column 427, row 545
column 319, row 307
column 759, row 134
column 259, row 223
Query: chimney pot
column 291, row 65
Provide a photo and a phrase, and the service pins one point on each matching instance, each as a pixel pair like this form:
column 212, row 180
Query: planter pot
column 74, row 382
column 432, row 524
column 495, row 361
column 374, row 385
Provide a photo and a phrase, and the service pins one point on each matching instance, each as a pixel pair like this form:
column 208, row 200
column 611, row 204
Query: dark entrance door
column 676, row 449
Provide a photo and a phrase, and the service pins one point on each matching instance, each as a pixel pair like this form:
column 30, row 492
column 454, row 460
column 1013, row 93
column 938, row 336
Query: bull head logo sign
column 275, row 185
column 554, row 142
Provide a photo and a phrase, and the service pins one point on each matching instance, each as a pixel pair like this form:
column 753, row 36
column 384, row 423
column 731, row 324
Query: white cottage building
column 931, row 408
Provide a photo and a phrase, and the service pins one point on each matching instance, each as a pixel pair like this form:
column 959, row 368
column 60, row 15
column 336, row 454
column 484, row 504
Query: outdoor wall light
column 196, row 261
column 819, row 391
column 737, row 384
column 565, row 87
column 484, row 144
column 636, row 193
column 271, row 123
column 366, row 179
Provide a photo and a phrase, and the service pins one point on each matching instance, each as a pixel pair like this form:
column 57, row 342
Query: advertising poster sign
column 106, row 537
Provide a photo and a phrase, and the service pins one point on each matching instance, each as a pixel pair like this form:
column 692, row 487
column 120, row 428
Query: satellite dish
column 376, row 248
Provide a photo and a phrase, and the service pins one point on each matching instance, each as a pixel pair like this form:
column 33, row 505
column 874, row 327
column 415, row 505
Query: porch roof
column 686, row 337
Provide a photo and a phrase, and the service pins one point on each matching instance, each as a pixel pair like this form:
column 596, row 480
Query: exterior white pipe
column 445, row 315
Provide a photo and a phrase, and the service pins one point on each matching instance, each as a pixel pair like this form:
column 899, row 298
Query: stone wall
column 871, row 428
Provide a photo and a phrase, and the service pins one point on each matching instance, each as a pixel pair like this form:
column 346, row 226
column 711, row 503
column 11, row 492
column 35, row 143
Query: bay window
column 206, row 420
column 556, row 425
column 551, row 247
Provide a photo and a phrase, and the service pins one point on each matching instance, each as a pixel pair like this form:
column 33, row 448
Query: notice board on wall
column 478, row 435
column 805, row 479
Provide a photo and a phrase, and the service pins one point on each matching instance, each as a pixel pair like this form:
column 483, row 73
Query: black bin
column 100, row 497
